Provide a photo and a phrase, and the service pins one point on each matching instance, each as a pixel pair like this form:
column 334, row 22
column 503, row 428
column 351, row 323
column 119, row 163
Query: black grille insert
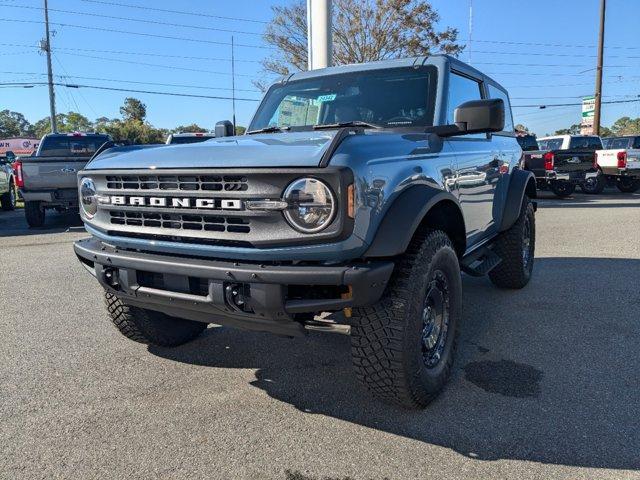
column 192, row 183
column 179, row 221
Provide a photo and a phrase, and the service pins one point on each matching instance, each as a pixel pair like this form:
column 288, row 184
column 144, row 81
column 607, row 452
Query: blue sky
column 504, row 31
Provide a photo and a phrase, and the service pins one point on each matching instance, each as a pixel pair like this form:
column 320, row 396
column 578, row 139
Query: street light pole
column 319, row 38
column 46, row 46
column 598, row 107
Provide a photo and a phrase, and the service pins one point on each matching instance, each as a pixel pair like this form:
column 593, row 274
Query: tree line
column 132, row 127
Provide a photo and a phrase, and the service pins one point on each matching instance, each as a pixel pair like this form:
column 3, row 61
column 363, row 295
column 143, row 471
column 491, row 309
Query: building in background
column 19, row 146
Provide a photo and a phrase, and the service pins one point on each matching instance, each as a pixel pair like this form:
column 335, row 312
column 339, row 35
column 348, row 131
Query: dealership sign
column 588, row 112
column 19, row 146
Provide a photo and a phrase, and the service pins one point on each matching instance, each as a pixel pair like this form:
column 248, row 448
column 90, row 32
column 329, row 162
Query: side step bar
column 480, row 262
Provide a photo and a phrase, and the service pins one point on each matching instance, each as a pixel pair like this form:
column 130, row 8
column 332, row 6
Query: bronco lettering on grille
column 184, row 202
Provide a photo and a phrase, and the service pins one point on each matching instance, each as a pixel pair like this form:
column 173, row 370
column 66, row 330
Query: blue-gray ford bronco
column 361, row 191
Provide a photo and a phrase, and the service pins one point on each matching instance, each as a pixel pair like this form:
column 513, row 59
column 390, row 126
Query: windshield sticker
column 327, row 98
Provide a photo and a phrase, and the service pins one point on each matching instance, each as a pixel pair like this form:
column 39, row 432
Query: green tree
column 193, row 128
column 572, row 130
column 626, row 126
column 363, row 31
column 14, row 124
column 521, row 128
column 133, row 109
column 66, row 122
column 240, row 130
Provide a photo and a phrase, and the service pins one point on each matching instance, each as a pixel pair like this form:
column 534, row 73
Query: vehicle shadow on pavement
column 13, row 224
column 546, row 374
column 581, row 200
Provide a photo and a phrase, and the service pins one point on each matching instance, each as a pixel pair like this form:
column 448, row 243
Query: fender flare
column 403, row 217
column 522, row 181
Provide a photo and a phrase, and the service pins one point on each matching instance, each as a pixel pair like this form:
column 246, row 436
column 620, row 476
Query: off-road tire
column 387, row 338
column 34, row 213
column 150, row 327
column 514, row 271
column 628, row 186
column 8, row 199
column 562, row 188
column 595, row 186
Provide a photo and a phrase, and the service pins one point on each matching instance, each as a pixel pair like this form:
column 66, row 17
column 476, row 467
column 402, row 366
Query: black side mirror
column 10, row 156
column 476, row 116
column 224, row 129
column 480, row 116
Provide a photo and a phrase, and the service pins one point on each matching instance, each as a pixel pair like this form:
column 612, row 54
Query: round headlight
column 311, row 205
column 88, row 199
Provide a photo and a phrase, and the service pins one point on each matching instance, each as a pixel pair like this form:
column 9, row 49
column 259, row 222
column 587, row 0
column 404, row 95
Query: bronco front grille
column 192, row 183
column 181, row 221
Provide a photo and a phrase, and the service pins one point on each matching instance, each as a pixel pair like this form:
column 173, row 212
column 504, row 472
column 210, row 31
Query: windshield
column 550, row 144
column 590, row 143
column 71, row 146
column 618, row 143
column 190, row 139
column 400, row 97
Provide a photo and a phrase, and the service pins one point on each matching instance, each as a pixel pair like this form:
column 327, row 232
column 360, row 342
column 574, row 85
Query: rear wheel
column 562, row 188
column 34, row 212
column 516, row 247
column 403, row 347
column 593, row 185
column 147, row 326
column 8, row 199
column 628, row 185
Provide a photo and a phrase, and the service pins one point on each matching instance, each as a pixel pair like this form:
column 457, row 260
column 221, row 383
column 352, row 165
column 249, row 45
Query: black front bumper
column 166, row 284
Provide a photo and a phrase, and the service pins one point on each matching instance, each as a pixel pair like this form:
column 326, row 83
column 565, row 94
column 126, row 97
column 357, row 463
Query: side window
column 508, row 117
column 636, row 142
column 461, row 89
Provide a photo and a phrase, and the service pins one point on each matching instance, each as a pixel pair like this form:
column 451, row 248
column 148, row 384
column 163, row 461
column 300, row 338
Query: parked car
column 564, row 162
column 48, row 179
column 8, row 195
column 619, row 163
column 361, row 189
column 181, row 138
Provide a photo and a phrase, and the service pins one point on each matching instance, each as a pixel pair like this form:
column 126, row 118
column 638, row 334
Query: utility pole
column 45, row 45
column 233, row 86
column 470, row 28
column 319, row 35
column 598, row 109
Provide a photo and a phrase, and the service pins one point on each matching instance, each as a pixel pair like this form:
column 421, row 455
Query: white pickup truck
column 620, row 163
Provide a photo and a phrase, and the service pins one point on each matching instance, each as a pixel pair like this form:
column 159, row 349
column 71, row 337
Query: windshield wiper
column 272, row 129
column 355, row 123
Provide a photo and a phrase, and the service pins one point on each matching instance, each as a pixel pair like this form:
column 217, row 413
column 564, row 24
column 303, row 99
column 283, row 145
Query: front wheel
column 516, row 247
column 562, row 188
column 8, row 199
column 403, row 347
column 151, row 327
column 628, row 185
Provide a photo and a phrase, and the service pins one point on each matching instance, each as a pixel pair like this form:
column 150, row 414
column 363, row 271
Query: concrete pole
column 52, row 94
column 598, row 110
column 319, row 38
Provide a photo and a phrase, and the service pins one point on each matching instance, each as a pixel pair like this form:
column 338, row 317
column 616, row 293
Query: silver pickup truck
column 48, row 179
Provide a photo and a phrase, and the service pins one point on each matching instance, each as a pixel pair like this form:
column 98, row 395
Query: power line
column 196, row 14
column 549, row 65
column 123, row 52
column 114, row 89
column 142, row 34
column 172, row 67
column 157, row 84
column 574, row 104
column 549, row 54
column 557, row 45
column 153, row 22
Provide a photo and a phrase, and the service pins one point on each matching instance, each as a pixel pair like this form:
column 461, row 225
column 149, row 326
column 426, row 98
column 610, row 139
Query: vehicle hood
column 295, row 149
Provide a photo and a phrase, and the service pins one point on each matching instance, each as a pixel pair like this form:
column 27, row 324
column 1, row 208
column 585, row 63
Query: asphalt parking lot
column 546, row 383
